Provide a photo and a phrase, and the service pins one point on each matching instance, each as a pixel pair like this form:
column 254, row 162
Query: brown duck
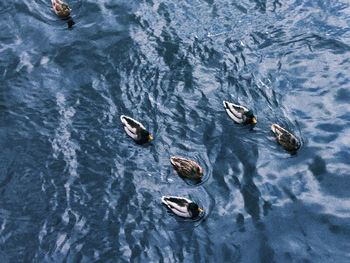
column 61, row 8
column 187, row 168
column 285, row 138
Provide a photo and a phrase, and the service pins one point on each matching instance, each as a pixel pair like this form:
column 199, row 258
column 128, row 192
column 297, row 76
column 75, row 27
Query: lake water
column 75, row 188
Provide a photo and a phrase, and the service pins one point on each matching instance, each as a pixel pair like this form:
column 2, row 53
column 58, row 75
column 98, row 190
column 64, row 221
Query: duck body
column 182, row 206
column 289, row 141
column 239, row 113
column 136, row 130
column 187, row 168
column 61, row 8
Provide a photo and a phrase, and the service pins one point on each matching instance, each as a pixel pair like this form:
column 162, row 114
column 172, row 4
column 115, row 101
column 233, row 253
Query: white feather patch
column 175, row 160
column 128, row 132
column 139, row 123
column 233, row 113
column 124, row 120
column 278, row 130
column 177, row 197
column 176, row 208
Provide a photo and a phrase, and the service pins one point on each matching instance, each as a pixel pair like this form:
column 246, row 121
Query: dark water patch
column 342, row 95
column 343, row 155
column 325, row 138
column 335, row 46
column 318, row 167
column 332, row 182
column 330, row 127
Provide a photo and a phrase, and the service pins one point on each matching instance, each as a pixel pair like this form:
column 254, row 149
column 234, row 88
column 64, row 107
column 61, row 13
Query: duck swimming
column 239, row 113
column 187, row 168
column 182, row 206
column 285, row 138
column 60, row 8
column 136, row 130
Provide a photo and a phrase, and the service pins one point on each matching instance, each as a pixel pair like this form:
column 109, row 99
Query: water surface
column 75, row 188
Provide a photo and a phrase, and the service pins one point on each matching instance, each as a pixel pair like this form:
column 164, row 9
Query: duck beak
column 150, row 138
column 200, row 210
column 254, row 121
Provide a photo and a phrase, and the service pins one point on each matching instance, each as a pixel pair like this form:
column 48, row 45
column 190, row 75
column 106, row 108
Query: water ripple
column 75, row 187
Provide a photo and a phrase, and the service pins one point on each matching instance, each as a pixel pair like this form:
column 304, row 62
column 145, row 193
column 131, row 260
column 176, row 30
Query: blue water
column 75, row 188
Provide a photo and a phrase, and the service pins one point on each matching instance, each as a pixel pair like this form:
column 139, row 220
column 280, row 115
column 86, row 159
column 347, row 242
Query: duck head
column 147, row 135
column 250, row 118
column 194, row 210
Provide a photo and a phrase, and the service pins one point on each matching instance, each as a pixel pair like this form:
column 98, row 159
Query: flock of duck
column 189, row 169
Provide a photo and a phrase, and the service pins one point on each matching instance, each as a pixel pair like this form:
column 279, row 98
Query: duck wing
column 235, row 111
column 177, row 204
column 132, row 127
column 285, row 138
column 181, row 163
column 185, row 166
column 289, row 141
column 131, row 123
column 132, row 135
column 277, row 130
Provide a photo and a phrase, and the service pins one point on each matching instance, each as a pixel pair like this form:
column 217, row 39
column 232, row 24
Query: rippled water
column 75, row 188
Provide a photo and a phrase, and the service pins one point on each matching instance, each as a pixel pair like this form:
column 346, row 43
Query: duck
column 182, row 206
column 61, row 8
column 135, row 130
column 187, row 168
column 288, row 141
column 239, row 113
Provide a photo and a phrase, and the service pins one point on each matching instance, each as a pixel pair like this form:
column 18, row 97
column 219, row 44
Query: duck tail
column 273, row 128
column 276, row 128
column 56, row 1
column 173, row 160
column 164, row 200
column 122, row 119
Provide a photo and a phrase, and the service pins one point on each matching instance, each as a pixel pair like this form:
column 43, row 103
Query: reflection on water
column 74, row 187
